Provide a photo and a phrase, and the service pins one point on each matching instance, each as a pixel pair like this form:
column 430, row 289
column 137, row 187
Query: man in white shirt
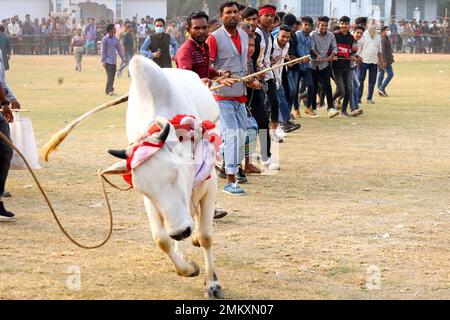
column 14, row 32
column 370, row 52
column 280, row 51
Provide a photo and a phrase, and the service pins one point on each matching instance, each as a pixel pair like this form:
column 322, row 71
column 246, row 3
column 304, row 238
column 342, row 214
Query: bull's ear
column 117, row 168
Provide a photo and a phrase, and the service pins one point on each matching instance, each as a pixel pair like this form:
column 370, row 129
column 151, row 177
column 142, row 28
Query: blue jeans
column 293, row 87
column 354, row 102
column 307, row 78
column 373, row 69
column 123, row 65
column 383, row 83
column 233, row 122
column 285, row 108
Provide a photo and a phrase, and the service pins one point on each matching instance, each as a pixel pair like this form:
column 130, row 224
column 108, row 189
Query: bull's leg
column 213, row 288
column 165, row 243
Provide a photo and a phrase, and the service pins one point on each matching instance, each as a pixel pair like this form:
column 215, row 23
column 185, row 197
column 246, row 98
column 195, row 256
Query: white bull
column 166, row 180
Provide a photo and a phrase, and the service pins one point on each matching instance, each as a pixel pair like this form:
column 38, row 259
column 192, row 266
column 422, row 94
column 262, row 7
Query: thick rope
column 52, row 210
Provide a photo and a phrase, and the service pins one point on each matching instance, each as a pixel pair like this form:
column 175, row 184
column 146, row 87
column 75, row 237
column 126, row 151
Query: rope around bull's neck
column 52, row 210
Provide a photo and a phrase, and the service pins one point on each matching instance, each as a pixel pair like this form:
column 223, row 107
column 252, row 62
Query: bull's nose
column 182, row 235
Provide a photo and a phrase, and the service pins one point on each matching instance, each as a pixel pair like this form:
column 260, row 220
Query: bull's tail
column 59, row 137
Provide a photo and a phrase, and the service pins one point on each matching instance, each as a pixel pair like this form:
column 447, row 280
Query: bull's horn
column 119, row 167
column 164, row 132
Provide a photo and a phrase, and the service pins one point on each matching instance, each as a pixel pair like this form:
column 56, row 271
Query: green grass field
column 352, row 193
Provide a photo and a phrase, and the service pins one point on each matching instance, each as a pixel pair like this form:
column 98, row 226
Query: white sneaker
column 270, row 165
column 279, row 132
column 274, row 166
column 332, row 113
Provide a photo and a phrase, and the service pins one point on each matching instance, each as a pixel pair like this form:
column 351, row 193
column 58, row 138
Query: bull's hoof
column 195, row 242
column 193, row 270
column 214, row 292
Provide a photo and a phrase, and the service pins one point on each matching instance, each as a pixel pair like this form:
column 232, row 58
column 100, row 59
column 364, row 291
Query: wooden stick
column 17, row 110
column 253, row 75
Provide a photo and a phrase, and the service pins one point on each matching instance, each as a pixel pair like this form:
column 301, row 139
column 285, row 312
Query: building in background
column 378, row 9
column 107, row 9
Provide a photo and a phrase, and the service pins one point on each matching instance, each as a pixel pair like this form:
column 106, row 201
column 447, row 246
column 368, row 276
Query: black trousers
column 344, row 82
column 6, row 154
column 324, row 77
column 272, row 98
column 110, row 75
column 255, row 102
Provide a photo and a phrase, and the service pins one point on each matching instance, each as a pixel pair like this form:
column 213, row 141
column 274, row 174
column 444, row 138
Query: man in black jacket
column 157, row 46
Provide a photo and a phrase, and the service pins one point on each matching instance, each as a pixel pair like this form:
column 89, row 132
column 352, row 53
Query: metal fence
column 61, row 44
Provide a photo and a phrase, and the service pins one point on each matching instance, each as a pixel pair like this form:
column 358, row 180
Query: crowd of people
column 298, row 58
column 267, row 106
column 54, row 35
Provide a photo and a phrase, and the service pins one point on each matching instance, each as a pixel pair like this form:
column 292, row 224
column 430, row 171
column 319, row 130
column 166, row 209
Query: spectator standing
column 110, row 48
column 370, row 52
column 172, row 29
column 27, row 35
column 14, row 32
column 64, row 38
column 5, row 48
column 128, row 45
column 37, row 32
column 78, row 43
column 213, row 25
column 47, row 31
column 157, row 46
column 387, row 58
column 90, row 33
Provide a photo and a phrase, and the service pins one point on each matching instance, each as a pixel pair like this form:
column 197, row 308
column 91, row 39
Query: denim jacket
column 303, row 48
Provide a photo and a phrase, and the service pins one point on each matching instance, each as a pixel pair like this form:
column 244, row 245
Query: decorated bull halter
column 187, row 128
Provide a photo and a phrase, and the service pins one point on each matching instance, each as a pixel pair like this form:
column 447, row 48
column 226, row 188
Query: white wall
column 401, row 11
column 153, row 8
column 36, row 8
column 431, row 10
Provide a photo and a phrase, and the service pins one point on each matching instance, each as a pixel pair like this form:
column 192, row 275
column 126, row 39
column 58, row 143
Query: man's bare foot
column 250, row 168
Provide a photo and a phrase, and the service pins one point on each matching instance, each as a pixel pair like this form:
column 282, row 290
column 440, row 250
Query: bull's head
column 166, row 178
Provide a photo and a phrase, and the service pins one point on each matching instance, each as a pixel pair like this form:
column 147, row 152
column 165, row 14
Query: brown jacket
column 386, row 50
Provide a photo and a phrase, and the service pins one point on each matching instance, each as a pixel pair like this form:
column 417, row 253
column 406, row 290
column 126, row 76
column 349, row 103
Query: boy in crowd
column 387, row 59
column 341, row 66
column 323, row 48
column 304, row 69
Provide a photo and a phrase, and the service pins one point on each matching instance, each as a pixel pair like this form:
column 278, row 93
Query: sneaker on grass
column 233, row 189
column 332, row 113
